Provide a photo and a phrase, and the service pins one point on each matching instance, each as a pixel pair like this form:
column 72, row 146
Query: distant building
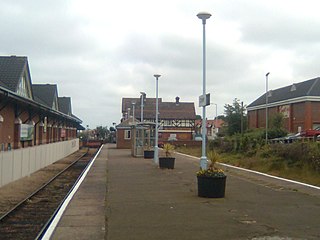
column 124, row 133
column 213, row 127
column 299, row 104
column 176, row 119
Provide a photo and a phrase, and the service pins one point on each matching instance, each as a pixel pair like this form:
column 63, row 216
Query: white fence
column 22, row 162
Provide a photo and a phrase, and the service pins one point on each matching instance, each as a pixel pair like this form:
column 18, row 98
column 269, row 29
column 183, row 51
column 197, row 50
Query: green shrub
column 277, row 133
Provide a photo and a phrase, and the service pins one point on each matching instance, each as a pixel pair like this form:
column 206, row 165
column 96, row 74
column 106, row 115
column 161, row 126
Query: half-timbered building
column 176, row 119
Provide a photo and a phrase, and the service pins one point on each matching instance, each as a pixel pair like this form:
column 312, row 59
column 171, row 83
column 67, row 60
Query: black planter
column 166, row 162
column 211, row 187
column 148, row 153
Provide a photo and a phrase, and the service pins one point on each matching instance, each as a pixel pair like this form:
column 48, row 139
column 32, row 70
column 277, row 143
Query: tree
column 235, row 117
column 277, row 130
column 277, row 120
column 102, row 132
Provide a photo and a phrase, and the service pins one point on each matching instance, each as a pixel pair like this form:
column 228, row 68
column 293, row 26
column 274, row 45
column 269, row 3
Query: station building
column 176, row 119
column 299, row 104
column 37, row 126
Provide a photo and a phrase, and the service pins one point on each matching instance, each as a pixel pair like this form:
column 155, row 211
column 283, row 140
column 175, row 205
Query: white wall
column 22, row 162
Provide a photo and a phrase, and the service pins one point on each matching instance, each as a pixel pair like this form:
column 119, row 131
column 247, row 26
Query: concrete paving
column 84, row 217
column 145, row 202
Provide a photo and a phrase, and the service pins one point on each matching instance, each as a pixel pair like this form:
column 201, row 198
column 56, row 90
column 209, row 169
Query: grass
column 271, row 165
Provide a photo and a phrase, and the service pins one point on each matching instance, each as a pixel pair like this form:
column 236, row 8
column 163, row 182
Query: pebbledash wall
column 22, row 162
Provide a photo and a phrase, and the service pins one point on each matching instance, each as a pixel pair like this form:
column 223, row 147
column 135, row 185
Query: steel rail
column 47, row 224
column 41, row 188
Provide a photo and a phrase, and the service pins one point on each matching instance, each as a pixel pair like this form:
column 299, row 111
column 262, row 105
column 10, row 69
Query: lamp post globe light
column 156, row 150
column 203, row 160
column 267, row 75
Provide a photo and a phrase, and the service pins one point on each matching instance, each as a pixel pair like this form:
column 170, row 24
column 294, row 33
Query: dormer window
column 55, row 104
column 22, row 88
column 293, row 88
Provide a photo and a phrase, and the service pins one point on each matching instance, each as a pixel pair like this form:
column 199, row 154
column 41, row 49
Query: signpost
column 204, row 100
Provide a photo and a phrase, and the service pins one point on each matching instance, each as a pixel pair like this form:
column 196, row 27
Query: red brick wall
column 184, row 136
column 261, row 118
column 8, row 134
column 7, row 127
column 298, row 116
column 121, row 142
column 252, row 119
column 191, row 143
column 304, row 115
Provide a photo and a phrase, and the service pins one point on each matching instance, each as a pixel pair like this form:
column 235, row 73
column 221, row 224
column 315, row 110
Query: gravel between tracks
column 13, row 193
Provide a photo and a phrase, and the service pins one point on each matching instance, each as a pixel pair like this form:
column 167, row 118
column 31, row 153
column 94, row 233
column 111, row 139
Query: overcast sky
column 99, row 51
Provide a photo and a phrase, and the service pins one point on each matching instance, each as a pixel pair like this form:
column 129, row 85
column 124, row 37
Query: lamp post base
column 156, row 155
column 203, row 163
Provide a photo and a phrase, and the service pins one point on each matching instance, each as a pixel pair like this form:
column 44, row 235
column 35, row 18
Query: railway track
column 30, row 218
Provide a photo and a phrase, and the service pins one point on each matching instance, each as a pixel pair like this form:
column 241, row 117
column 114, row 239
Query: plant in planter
column 168, row 160
column 148, row 153
column 212, row 181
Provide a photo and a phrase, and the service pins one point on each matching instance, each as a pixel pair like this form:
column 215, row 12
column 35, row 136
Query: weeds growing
column 297, row 161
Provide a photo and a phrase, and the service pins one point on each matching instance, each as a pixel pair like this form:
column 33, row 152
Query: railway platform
column 84, row 217
column 131, row 198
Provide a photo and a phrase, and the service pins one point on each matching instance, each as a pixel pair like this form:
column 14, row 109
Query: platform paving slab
column 145, row 202
column 131, row 198
column 84, row 217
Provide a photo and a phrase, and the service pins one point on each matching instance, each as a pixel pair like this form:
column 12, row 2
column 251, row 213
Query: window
column 55, row 103
column 22, row 89
column 127, row 134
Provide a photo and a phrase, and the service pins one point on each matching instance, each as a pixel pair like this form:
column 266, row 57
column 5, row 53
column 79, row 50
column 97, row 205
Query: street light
column 128, row 111
column 142, row 95
column 216, row 109
column 156, row 152
column 203, row 160
column 267, row 107
column 133, row 106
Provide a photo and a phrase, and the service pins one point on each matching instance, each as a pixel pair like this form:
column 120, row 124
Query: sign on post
column 204, row 100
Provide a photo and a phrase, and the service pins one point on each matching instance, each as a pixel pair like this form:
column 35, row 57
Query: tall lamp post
column 156, row 151
column 133, row 108
column 203, row 160
column 142, row 99
column 267, row 107
column 216, row 109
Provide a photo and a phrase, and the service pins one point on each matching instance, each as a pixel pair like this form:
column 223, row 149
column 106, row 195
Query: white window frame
column 127, row 134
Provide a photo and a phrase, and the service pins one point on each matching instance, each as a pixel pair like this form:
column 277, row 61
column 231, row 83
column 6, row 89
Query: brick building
column 30, row 113
column 213, row 127
column 124, row 133
column 176, row 119
column 299, row 103
column 37, row 127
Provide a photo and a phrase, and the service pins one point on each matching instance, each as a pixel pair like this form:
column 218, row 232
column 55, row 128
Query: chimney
column 177, row 100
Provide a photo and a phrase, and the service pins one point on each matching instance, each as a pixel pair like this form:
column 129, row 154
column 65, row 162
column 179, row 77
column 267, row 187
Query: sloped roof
column 65, row 105
column 43, row 96
column 126, row 124
column 167, row 110
column 309, row 88
column 216, row 123
column 45, row 93
column 11, row 70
